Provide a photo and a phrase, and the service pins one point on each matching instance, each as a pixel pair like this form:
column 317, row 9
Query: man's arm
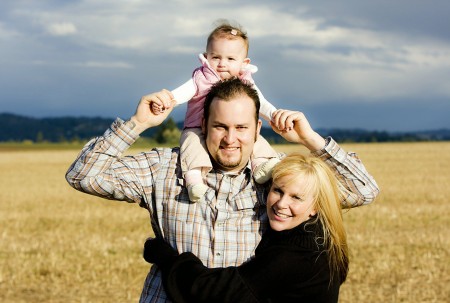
column 357, row 185
column 100, row 168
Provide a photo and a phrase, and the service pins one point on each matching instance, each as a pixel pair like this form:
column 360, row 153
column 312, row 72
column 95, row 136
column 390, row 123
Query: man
column 224, row 228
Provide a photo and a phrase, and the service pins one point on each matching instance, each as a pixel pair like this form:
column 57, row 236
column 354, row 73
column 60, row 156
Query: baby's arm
column 181, row 94
column 267, row 109
column 185, row 92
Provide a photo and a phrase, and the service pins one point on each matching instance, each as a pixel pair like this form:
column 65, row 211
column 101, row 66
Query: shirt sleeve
column 185, row 92
column 357, row 186
column 101, row 170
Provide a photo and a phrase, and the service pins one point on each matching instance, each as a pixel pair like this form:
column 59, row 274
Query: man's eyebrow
column 217, row 123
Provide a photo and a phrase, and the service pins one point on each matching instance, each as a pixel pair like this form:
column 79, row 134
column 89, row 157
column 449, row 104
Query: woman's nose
column 283, row 202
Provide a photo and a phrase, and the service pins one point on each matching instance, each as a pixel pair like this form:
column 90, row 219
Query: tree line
column 16, row 128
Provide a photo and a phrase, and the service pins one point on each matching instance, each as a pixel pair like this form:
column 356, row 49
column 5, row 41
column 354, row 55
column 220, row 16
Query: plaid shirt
column 224, row 228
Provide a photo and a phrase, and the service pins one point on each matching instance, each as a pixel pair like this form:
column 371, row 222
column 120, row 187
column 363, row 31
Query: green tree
column 40, row 137
column 168, row 132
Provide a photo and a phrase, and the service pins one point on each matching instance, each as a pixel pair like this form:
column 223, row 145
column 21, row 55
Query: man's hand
column 294, row 127
column 145, row 118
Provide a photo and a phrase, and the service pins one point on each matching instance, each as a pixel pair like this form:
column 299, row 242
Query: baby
column 225, row 57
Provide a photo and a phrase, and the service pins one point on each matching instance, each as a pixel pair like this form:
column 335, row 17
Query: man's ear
column 204, row 127
column 258, row 129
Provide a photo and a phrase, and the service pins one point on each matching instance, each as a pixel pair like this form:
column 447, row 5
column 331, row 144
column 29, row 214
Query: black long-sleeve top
column 289, row 266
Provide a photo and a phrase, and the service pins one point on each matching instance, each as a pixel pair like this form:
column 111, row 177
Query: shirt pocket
column 246, row 200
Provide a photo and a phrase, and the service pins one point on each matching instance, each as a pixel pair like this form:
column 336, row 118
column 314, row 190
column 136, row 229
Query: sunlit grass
column 59, row 245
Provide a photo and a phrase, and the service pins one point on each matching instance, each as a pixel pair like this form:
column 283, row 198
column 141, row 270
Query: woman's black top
column 288, row 266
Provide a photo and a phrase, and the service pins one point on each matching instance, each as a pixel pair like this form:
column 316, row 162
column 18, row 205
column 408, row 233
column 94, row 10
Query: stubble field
column 59, row 245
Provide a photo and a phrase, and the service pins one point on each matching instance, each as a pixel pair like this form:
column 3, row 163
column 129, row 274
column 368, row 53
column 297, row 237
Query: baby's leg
column 195, row 162
column 264, row 159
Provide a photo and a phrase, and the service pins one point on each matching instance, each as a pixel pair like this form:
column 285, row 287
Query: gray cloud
column 98, row 57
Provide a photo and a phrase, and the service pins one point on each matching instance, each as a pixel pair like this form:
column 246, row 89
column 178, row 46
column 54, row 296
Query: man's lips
column 229, row 149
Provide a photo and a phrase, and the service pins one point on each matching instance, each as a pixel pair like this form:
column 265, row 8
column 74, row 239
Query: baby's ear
column 246, row 61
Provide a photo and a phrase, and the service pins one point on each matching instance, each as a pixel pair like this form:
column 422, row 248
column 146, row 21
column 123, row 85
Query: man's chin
column 228, row 164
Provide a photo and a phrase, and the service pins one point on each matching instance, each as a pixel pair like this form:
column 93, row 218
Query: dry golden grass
column 58, row 245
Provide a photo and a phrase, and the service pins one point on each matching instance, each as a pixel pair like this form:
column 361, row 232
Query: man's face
column 231, row 132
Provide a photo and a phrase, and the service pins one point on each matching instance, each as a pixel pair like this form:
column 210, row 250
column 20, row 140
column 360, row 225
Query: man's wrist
column 315, row 143
column 135, row 126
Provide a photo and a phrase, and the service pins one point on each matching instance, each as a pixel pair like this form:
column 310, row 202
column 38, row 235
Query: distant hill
column 19, row 128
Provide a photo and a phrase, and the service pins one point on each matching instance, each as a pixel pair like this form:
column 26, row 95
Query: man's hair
column 225, row 29
column 229, row 89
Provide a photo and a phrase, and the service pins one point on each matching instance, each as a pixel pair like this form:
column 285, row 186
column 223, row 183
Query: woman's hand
column 158, row 251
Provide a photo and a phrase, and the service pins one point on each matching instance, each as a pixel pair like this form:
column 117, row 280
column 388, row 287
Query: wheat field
column 59, row 245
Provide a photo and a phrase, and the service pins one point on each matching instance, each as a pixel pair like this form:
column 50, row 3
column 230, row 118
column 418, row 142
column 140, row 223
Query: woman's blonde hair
column 321, row 182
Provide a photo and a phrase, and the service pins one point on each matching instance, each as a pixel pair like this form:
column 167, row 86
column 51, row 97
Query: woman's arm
column 186, row 279
column 276, row 273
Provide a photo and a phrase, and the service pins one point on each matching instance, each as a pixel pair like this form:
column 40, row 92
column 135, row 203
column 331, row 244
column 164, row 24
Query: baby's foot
column 196, row 191
column 263, row 172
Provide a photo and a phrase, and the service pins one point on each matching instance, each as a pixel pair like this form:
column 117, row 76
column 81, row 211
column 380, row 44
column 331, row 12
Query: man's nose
column 230, row 136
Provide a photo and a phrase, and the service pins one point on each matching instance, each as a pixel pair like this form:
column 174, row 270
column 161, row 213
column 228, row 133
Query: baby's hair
column 228, row 30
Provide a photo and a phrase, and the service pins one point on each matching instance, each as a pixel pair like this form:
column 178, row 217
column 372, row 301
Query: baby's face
column 227, row 57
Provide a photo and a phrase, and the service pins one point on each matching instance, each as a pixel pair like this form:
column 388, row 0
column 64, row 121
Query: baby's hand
column 157, row 108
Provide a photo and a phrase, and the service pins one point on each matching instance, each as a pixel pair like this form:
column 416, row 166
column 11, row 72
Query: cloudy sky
column 377, row 65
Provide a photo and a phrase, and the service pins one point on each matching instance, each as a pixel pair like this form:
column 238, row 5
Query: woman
column 303, row 257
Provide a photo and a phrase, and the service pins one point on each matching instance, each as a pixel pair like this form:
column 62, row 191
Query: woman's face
column 288, row 203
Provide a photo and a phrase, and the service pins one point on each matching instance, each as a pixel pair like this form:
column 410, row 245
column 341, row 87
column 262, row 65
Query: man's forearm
column 91, row 172
column 315, row 142
column 360, row 187
column 135, row 126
